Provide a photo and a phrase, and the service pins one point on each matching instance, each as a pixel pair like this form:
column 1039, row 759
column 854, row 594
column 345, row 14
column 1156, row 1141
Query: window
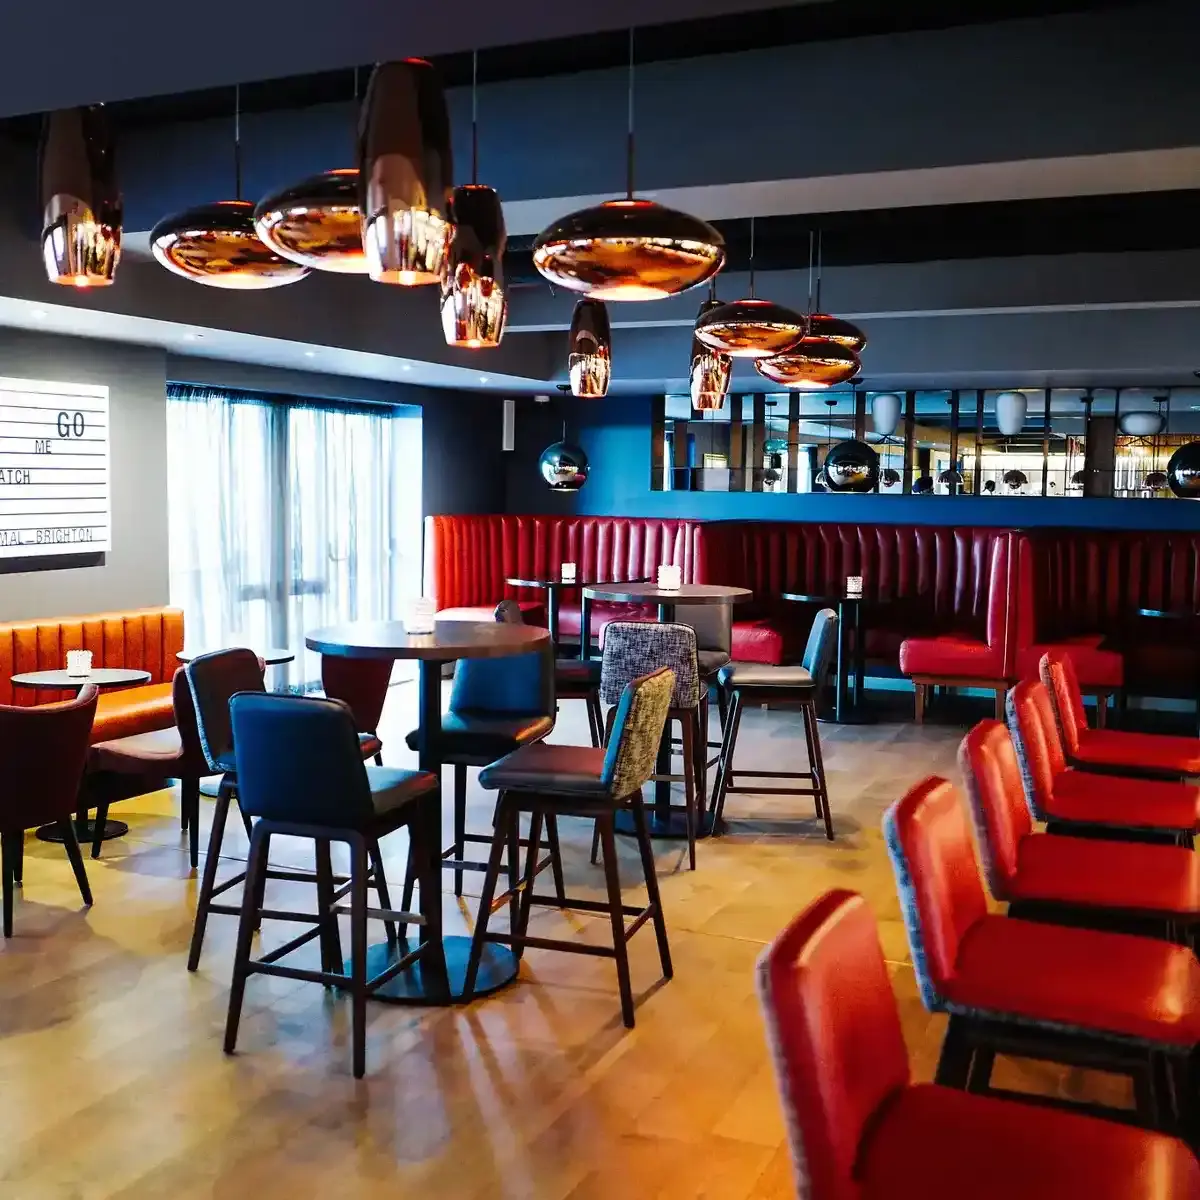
column 287, row 514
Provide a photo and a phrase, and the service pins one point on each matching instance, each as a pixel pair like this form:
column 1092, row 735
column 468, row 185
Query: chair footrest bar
column 771, row 774
column 769, row 791
column 541, row 943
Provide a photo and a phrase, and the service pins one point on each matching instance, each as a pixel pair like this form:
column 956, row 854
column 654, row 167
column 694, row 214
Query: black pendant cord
column 811, row 245
column 629, row 151
column 474, row 117
column 820, row 264
column 751, row 258
column 354, row 127
column 237, row 141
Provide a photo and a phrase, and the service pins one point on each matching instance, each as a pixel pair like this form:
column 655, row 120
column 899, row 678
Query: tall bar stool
column 580, row 781
column 300, row 773
column 800, row 685
column 362, row 684
column 713, row 624
column 633, row 649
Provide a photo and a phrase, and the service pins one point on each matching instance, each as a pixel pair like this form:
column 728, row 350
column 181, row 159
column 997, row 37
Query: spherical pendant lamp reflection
column 834, row 329
column 923, row 485
column 564, row 466
column 474, row 302
column 889, row 477
column 316, row 223
column 1155, row 481
column 1015, row 481
column 629, row 250
column 1183, row 472
column 80, row 200
column 217, row 245
column 851, row 466
column 405, row 171
column 750, row 328
column 589, row 350
column 814, row 363
column 710, row 370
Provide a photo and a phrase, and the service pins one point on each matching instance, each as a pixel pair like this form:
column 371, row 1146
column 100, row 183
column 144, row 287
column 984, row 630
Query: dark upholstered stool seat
column 370, row 744
column 394, row 787
column 577, row 770
column 486, row 736
column 763, row 675
column 159, row 746
column 711, row 661
column 940, row 1144
column 577, row 672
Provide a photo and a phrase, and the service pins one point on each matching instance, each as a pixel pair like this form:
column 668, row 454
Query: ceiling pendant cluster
column 708, row 376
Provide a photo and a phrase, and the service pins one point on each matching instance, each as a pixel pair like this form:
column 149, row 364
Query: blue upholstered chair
column 300, row 772
column 583, row 781
column 798, row 685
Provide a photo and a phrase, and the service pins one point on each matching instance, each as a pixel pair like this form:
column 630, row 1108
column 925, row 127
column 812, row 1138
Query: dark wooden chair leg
column 381, row 888
column 638, row 805
column 7, row 852
column 331, row 941
column 189, row 810
column 608, row 852
column 490, row 878
column 954, row 1064
column 920, row 696
column 728, row 749
column 379, row 759
column 460, row 822
column 608, row 728
column 979, row 1077
column 556, row 867
column 19, row 860
column 520, row 924
column 98, row 827
column 255, row 867
column 818, row 769
column 358, row 955
column 71, row 844
column 208, row 882
column 689, row 726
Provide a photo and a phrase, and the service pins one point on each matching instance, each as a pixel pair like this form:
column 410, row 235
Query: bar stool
column 300, row 773
column 361, row 683
column 552, row 781
column 633, row 649
column 800, row 685
column 713, row 624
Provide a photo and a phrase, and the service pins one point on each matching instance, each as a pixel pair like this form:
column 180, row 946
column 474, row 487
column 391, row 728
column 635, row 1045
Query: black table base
column 85, row 831
column 498, row 966
column 669, row 825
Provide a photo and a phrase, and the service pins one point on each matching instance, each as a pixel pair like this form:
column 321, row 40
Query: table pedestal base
column 498, row 966
column 668, row 825
column 85, row 831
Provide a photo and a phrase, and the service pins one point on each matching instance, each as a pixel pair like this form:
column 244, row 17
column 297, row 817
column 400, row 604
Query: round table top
column 651, row 593
column 827, row 597
column 273, row 658
column 100, row 676
column 449, row 640
column 548, row 582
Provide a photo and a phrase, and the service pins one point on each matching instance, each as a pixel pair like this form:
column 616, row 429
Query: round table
column 102, row 677
column 439, row 981
column 666, row 822
column 849, row 606
column 554, row 587
column 272, row 658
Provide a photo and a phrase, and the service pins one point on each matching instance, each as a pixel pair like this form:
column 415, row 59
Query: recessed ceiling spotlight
column 483, row 379
column 192, row 336
column 310, row 354
column 407, row 366
column 40, row 313
column 541, row 399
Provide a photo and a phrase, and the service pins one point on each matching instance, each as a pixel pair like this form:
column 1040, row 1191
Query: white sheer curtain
column 287, row 514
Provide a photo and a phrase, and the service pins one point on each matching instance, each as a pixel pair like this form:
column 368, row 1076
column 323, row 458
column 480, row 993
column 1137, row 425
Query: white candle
column 670, row 577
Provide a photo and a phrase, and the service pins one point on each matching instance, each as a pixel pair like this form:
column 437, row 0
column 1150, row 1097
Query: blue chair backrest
column 821, row 647
column 518, row 685
column 298, row 760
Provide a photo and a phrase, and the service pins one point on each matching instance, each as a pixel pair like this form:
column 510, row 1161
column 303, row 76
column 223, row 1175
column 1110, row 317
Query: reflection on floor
column 116, row 1085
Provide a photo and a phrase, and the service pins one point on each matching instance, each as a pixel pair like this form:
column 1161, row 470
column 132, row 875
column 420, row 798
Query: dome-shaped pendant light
column 1011, row 410
column 708, row 378
column 217, row 244
column 564, row 465
column 750, row 328
column 474, row 302
column 405, row 168
column 80, row 199
column 834, row 329
column 629, row 249
column 589, row 354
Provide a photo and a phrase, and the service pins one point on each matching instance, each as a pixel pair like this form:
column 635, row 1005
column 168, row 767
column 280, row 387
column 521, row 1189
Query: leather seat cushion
column 1078, row 978
column 1102, row 874
column 532, row 611
column 741, row 674
column 370, row 744
column 1128, row 803
column 133, row 710
column 1150, row 751
column 939, row 1143
column 547, row 768
column 139, row 753
column 470, row 738
column 952, row 655
column 770, row 640
column 393, row 787
column 1093, row 666
column 710, row 662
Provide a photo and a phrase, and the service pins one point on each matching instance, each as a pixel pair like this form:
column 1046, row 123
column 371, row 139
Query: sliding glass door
column 288, row 514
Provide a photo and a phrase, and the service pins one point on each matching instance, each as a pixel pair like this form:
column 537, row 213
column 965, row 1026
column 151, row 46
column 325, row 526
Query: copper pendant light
column 710, row 369
column 474, row 301
column 405, row 170
column 217, row 244
column 316, row 223
column 814, row 363
column 629, row 249
column 80, row 199
column 589, row 357
column 834, row 329
column 750, row 328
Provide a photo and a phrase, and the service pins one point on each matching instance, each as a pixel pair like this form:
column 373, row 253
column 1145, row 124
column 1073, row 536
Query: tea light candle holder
column 79, row 663
column 568, row 572
column 854, row 585
column 421, row 615
column 670, row 577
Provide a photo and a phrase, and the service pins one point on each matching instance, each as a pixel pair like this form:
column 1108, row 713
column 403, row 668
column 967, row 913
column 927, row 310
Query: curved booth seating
column 1085, row 881
column 1107, row 1001
column 1074, row 801
column 146, row 639
column 860, row 1129
column 1114, row 751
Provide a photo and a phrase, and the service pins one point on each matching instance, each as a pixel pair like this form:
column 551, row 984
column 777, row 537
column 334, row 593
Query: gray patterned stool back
column 637, row 731
column 636, row 648
column 508, row 612
column 821, row 647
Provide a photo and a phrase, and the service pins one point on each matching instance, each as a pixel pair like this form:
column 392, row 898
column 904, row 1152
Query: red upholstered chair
column 1113, row 751
column 1074, row 801
column 860, row 1129
column 1088, row 881
column 362, row 685
column 1103, row 1001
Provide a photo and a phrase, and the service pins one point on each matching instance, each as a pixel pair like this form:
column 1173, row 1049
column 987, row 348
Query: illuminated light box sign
column 53, row 468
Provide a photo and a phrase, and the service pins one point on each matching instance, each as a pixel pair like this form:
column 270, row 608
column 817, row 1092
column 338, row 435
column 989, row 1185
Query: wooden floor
column 113, row 1083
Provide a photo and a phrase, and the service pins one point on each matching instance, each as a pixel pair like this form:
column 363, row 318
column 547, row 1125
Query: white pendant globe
column 885, row 413
column 1011, row 409
column 1142, row 423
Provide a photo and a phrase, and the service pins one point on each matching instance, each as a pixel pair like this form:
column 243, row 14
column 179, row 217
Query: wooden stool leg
column 98, row 827
column 358, row 956
column 18, row 866
column 1102, row 710
column 595, row 718
column 689, row 726
column 381, row 888
column 608, row 851
column 460, row 822
column 215, row 837
column 189, row 811
column 725, row 768
column 521, row 924
column 7, row 852
column 920, row 696
column 1001, row 694
column 67, row 828
column 954, row 1064
column 255, row 867
column 646, row 850
column 608, row 728
column 490, row 879
column 556, row 867
column 818, row 766
column 331, row 941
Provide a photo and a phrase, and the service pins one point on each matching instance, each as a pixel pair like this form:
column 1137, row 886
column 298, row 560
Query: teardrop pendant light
column 474, row 302
column 589, row 356
column 217, row 244
column 750, row 328
column 405, row 170
column 710, row 369
column 80, row 199
column 629, row 249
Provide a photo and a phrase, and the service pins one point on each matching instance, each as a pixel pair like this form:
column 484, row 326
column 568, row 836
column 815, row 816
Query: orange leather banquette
column 468, row 559
column 147, row 638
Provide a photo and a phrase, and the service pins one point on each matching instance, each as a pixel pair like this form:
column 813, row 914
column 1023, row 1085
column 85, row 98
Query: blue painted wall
column 615, row 433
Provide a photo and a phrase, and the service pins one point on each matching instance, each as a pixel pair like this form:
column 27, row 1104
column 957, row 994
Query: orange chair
column 1100, row 883
column 1100, row 1001
column 1074, row 801
column 1113, row 751
column 860, row 1129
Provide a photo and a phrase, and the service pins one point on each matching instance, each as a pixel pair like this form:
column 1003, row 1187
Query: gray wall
column 134, row 574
